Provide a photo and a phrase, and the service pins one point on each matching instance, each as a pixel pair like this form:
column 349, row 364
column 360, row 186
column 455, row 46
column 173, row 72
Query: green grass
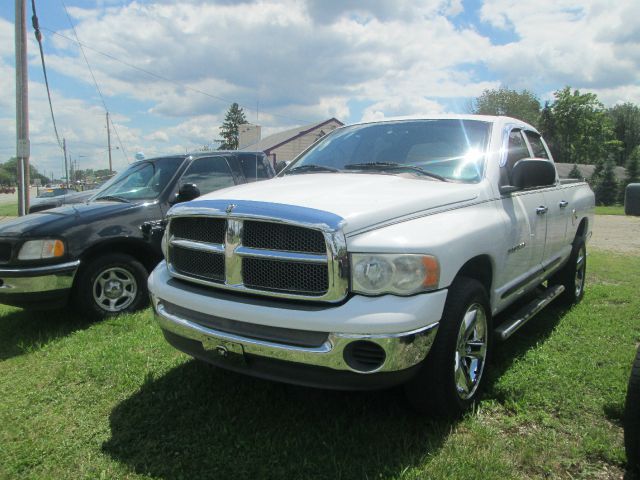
column 113, row 400
column 610, row 210
column 9, row 209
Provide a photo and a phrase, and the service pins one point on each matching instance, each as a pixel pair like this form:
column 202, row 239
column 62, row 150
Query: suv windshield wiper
column 311, row 168
column 114, row 198
column 393, row 166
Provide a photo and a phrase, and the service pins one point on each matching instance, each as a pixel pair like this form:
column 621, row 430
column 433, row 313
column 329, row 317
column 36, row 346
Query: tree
column 581, row 130
column 229, row 129
column 626, row 127
column 606, row 187
column 523, row 105
column 575, row 173
column 633, row 172
column 8, row 172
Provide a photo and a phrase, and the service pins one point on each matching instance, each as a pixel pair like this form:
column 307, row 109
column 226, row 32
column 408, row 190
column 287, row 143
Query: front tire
column 453, row 374
column 111, row 284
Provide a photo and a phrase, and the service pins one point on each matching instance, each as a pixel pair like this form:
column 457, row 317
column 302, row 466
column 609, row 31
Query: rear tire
column 631, row 419
column 453, row 373
column 111, row 284
column 573, row 274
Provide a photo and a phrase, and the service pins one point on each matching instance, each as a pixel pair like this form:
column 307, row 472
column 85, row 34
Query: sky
column 167, row 71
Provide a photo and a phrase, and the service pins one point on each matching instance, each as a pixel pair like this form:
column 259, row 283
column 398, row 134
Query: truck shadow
column 23, row 331
column 201, row 422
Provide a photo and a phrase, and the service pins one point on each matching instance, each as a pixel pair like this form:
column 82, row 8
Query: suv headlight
column 41, row 249
column 404, row 274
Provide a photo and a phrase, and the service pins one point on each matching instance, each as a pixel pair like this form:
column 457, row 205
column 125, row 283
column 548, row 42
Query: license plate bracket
column 228, row 351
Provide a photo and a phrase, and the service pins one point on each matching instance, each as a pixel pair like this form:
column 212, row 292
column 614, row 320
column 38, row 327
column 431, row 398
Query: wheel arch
column 479, row 268
column 138, row 249
column 583, row 227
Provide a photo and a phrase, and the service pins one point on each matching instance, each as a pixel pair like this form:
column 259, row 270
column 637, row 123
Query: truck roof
column 495, row 119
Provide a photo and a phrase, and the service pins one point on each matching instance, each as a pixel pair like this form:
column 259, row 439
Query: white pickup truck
column 388, row 253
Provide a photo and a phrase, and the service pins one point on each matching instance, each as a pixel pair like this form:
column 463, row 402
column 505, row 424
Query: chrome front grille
column 307, row 278
column 200, row 229
column 198, row 263
column 266, row 256
column 278, row 236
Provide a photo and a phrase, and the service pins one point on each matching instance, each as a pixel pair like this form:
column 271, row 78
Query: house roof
column 280, row 138
column 587, row 170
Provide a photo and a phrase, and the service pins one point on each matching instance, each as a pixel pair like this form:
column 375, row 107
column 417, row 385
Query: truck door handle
column 542, row 210
column 563, row 204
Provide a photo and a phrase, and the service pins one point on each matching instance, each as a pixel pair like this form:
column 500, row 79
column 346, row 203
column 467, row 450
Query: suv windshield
column 448, row 149
column 143, row 180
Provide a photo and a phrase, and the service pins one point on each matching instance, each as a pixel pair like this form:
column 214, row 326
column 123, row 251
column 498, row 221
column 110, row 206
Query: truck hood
column 57, row 221
column 361, row 200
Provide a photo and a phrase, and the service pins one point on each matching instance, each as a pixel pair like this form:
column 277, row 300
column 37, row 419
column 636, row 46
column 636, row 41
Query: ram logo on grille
column 258, row 256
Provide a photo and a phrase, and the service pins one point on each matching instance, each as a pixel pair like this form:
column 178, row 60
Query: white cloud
column 299, row 61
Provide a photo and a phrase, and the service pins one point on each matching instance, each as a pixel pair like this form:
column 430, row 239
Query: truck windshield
column 447, row 149
column 143, row 180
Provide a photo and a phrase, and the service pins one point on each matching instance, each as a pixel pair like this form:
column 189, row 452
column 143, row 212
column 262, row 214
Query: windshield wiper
column 311, row 168
column 114, row 198
column 393, row 166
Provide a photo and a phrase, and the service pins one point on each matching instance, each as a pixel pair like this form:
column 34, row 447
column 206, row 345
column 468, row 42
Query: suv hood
column 362, row 200
column 57, row 220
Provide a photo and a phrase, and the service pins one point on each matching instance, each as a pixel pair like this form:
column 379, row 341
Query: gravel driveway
column 616, row 233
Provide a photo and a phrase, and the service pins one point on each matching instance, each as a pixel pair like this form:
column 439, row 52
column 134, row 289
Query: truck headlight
column 41, row 249
column 403, row 274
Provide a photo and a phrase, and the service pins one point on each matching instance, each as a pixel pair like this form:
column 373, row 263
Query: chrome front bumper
column 402, row 350
column 38, row 279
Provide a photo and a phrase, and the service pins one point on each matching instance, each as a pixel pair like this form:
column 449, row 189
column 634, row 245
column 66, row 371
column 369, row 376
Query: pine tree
column 229, row 129
column 606, row 187
column 575, row 172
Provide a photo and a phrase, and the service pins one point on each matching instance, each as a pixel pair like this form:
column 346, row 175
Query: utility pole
column 109, row 143
column 22, row 108
column 66, row 170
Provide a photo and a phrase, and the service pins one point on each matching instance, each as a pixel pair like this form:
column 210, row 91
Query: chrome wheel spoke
column 471, row 351
column 476, row 350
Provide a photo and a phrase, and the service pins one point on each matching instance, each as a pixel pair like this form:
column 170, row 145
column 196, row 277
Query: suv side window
column 536, row 145
column 209, row 174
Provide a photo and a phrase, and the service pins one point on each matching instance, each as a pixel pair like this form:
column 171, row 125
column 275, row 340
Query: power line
column 95, row 82
column 38, row 34
column 166, row 79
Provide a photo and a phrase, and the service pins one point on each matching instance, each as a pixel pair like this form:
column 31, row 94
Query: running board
column 526, row 313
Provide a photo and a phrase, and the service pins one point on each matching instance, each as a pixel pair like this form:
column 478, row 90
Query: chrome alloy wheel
column 114, row 289
column 580, row 271
column 471, row 351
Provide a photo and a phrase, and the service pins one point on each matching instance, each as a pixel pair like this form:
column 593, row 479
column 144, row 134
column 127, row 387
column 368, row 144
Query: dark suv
column 99, row 253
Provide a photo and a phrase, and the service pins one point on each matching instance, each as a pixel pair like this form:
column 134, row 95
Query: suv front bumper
column 37, row 287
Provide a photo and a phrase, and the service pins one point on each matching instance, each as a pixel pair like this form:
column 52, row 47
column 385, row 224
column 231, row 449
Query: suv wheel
column 112, row 284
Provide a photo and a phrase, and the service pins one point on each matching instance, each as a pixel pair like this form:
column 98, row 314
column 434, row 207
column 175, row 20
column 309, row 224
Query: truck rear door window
column 536, row 145
column 209, row 174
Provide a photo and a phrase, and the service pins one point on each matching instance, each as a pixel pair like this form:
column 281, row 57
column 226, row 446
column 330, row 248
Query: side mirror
column 530, row 173
column 281, row 165
column 186, row 192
